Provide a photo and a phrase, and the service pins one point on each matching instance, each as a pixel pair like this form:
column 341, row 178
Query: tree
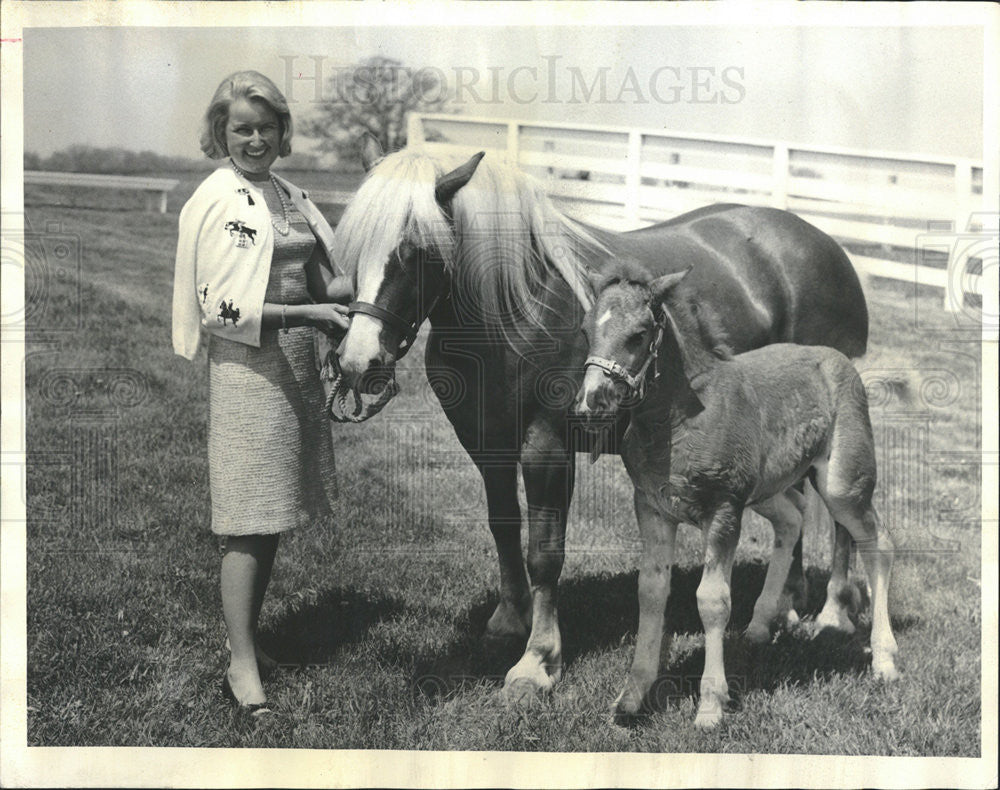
column 373, row 96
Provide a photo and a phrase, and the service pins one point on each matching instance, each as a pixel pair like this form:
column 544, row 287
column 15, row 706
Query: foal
column 745, row 430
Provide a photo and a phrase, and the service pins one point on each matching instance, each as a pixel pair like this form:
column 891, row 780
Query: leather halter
column 635, row 382
column 407, row 330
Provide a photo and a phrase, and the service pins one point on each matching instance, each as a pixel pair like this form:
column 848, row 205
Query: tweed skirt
column 270, row 453
column 271, row 462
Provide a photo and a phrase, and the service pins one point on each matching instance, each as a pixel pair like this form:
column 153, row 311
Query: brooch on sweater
column 245, row 191
column 242, row 232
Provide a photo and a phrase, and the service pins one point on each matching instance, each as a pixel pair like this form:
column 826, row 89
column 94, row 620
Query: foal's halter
column 636, row 382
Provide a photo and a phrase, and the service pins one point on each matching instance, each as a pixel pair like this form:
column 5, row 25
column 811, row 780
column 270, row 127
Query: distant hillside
column 90, row 159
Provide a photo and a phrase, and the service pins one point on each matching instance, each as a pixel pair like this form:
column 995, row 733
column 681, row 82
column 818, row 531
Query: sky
column 907, row 90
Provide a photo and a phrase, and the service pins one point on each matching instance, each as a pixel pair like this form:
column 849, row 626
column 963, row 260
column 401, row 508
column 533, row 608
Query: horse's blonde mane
column 394, row 202
column 508, row 237
column 513, row 237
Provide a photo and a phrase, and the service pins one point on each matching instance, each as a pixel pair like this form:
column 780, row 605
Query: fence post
column 958, row 259
column 513, row 142
column 633, row 177
column 163, row 202
column 779, row 173
column 414, row 130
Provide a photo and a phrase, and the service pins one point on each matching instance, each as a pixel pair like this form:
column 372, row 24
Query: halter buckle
column 635, row 382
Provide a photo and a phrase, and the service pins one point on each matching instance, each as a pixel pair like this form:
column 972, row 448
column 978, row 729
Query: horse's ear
column 371, row 151
column 448, row 184
column 662, row 286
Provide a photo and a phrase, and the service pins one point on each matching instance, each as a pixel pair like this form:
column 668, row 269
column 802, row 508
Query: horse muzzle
column 367, row 367
column 597, row 400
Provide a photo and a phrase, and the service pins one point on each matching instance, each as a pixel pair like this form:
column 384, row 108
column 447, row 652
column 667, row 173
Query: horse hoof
column 503, row 647
column 627, row 708
column 505, row 624
column 522, row 692
column 834, row 621
column 708, row 720
column 628, row 712
column 626, row 719
column 885, row 671
column 757, row 634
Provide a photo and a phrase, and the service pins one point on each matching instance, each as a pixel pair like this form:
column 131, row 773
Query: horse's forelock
column 394, row 203
column 623, row 270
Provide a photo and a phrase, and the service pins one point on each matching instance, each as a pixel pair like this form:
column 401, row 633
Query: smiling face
column 253, row 135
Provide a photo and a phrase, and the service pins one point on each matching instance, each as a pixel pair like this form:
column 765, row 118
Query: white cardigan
column 224, row 248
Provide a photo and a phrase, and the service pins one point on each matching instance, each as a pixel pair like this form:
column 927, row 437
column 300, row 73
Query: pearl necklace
column 286, row 225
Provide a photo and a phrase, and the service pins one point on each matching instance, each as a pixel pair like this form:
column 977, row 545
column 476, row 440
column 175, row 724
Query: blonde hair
column 250, row 85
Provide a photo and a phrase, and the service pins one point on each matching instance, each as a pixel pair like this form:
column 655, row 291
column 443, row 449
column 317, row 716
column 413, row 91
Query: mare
column 714, row 434
column 477, row 247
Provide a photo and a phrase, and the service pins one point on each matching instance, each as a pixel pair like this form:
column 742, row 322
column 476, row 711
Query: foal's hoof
column 885, row 670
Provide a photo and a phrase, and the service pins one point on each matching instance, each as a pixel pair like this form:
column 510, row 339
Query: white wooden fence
column 626, row 178
column 151, row 187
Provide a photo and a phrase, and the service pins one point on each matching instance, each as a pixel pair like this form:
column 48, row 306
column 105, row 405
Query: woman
column 253, row 271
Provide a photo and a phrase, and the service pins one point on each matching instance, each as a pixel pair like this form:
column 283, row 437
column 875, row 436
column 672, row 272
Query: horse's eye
column 635, row 340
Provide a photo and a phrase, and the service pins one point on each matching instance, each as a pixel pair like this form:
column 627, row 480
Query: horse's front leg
column 722, row 533
column 512, row 617
column 659, row 536
column 548, row 471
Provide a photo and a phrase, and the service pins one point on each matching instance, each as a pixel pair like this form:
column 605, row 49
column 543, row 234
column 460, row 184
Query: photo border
column 178, row 767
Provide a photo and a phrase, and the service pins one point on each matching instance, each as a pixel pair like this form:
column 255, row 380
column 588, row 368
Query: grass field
column 378, row 621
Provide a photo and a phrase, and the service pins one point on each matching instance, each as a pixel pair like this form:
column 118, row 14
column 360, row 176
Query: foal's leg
column 837, row 485
column 658, row 539
column 512, row 617
column 876, row 549
column 722, row 533
column 785, row 514
column 548, row 485
column 841, row 594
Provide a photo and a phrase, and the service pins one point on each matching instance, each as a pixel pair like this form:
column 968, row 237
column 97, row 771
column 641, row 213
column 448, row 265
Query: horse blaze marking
column 604, row 318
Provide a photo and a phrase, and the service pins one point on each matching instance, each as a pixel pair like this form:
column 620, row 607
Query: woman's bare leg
column 246, row 570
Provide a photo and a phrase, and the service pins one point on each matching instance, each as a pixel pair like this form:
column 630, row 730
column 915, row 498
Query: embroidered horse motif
column 228, row 313
column 238, row 226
